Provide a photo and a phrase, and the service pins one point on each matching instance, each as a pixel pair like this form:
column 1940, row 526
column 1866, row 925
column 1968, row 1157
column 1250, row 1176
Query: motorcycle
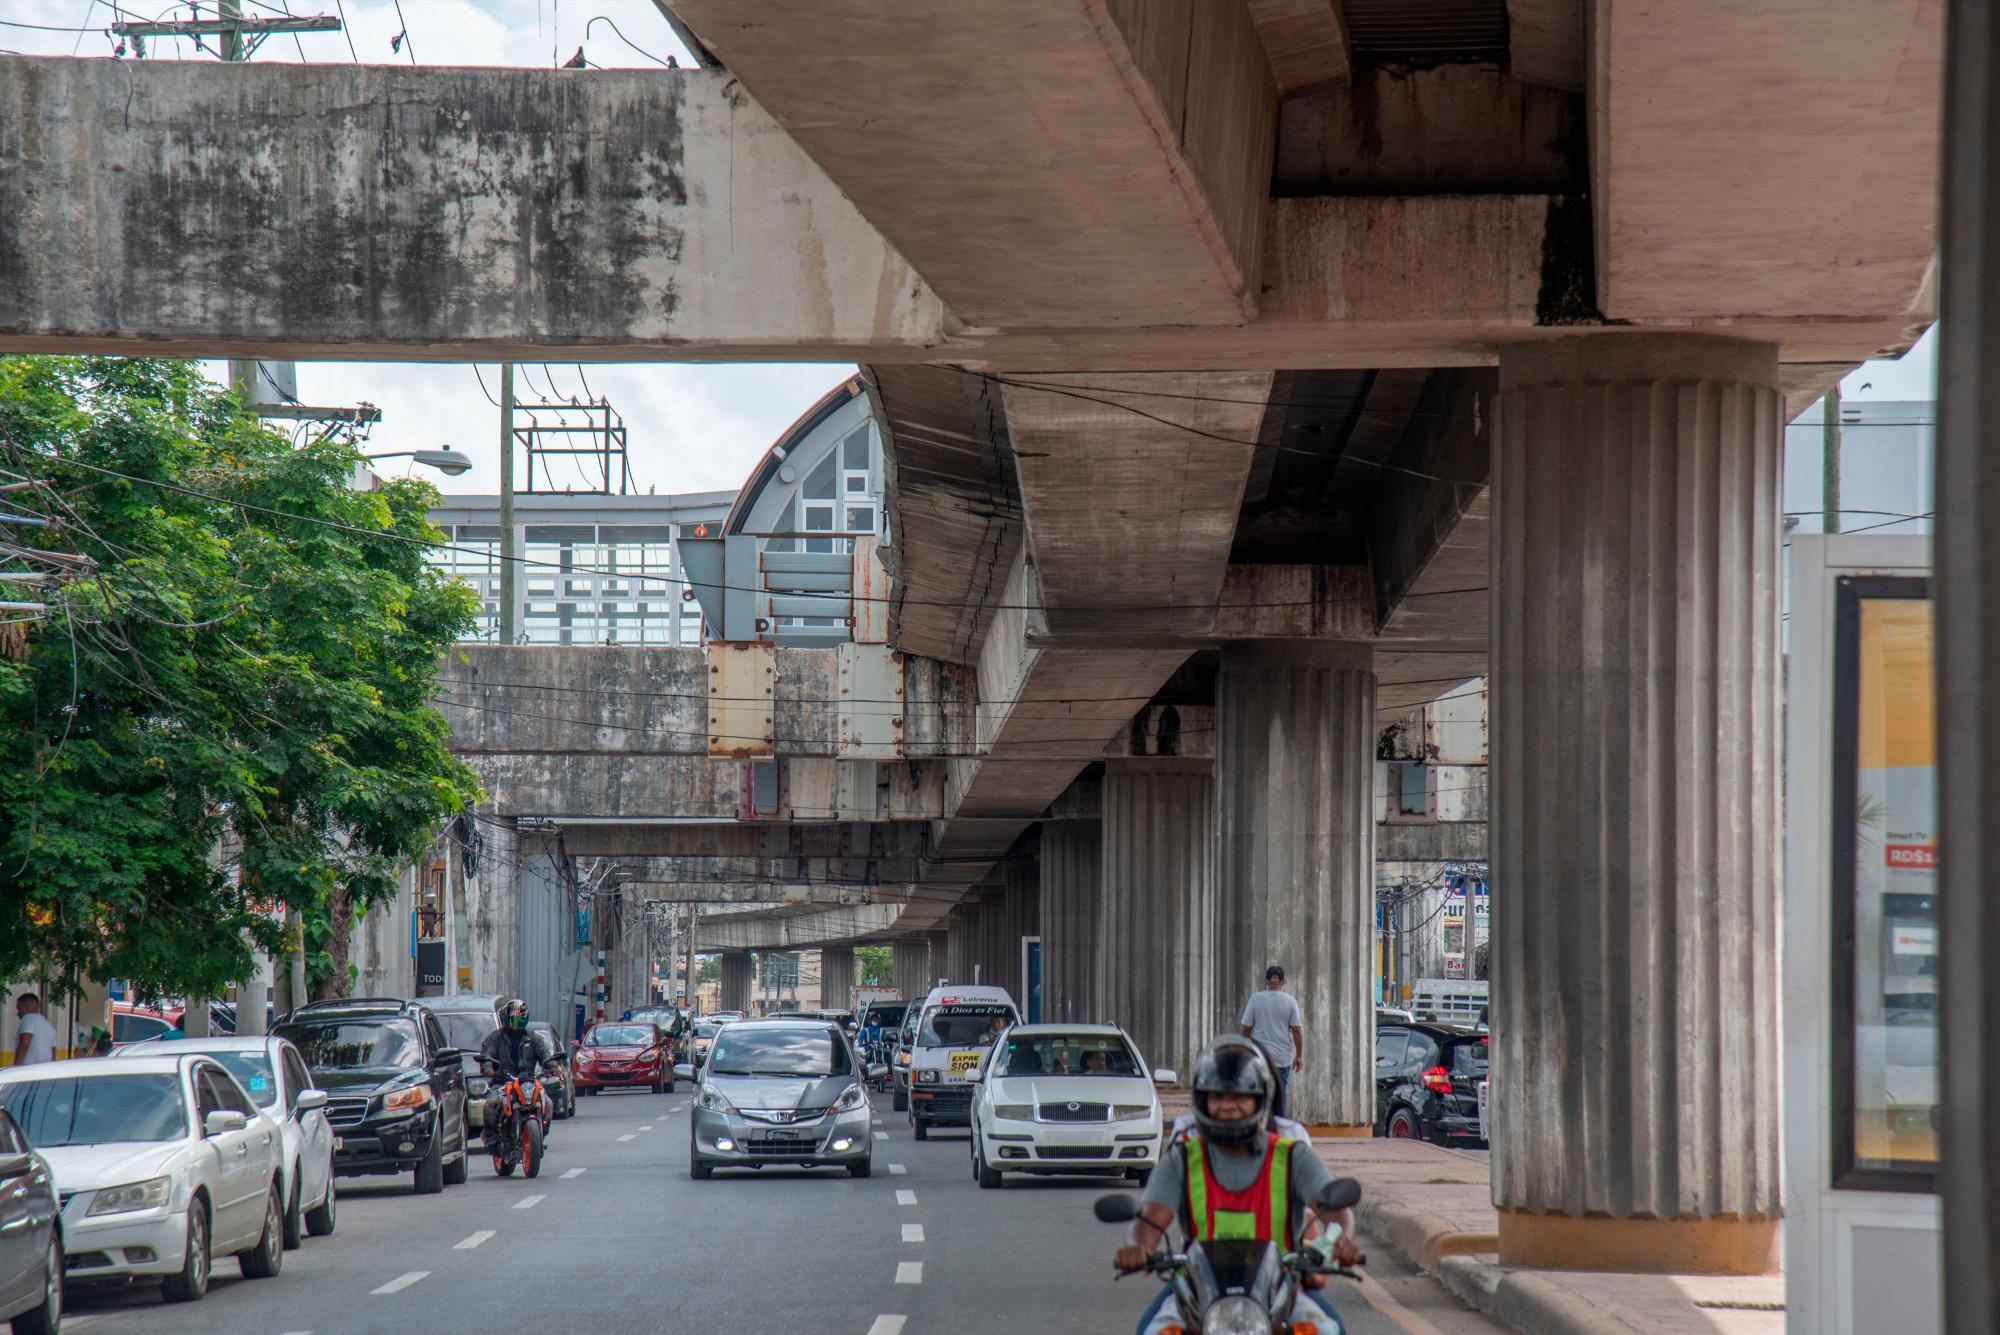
column 1247, row 1287
column 519, row 1127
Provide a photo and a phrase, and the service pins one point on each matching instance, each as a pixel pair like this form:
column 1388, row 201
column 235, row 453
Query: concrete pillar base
column 1333, row 1132
column 1725, row 1245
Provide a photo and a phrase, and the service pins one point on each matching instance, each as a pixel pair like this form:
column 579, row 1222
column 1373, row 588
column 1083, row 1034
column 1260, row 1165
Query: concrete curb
column 1422, row 1237
column 1527, row 1301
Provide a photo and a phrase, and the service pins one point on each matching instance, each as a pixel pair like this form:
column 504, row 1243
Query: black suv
column 395, row 1090
column 1427, row 1081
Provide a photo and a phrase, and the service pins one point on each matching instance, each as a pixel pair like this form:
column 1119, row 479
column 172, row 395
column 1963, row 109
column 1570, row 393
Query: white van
column 954, row 1035
column 1449, row 1000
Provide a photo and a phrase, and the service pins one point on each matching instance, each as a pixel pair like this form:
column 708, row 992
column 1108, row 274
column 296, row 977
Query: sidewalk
column 1435, row 1207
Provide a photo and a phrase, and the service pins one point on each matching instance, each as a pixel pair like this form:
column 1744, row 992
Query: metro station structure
column 1246, row 373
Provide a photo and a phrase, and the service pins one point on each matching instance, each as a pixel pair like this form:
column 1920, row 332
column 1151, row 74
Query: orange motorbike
column 519, row 1142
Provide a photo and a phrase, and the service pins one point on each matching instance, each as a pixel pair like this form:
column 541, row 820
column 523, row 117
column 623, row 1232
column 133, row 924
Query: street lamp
column 449, row 462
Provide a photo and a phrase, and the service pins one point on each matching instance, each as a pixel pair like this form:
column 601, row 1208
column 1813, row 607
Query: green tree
column 233, row 710
column 874, row 965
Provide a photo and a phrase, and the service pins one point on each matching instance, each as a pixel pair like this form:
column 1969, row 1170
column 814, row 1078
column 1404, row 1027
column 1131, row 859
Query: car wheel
column 319, row 1219
column 592, row 1090
column 192, row 1281
column 862, row 1169
column 697, row 1169
column 531, row 1149
column 986, row 1173
column 459, row 1170
column 1403, row 1125
column 900, row 1100
column 919, row 1128
column 668, row 1088
column 268, row 1257
column 429, row 1177
column 45, row 1318
column 1139, row 1175
column 295, row 1221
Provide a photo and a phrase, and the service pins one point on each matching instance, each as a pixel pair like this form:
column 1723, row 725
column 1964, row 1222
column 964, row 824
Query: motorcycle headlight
column 132, row 1196
column 851, row 1099
column 929, row 1077
column 1131, row 1112
column 713, row 1100
column 416, row 1096
column 1236, row 1315
column 476, row 1087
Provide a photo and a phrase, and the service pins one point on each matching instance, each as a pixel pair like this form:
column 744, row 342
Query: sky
column 691, row 427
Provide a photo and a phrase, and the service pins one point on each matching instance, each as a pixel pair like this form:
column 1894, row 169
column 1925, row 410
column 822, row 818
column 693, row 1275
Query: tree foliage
column 874, row 966
column 233, row 711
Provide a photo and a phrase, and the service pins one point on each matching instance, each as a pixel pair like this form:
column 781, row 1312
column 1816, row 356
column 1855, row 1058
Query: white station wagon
column 1066, row 1098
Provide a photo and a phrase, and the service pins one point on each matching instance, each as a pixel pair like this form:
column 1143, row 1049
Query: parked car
column 136, row 1024
column 616, row 1055
column 275, row 1076
column 1066, row 1099
column 465, row 1029
column 1427, row 1081
column 396, row 1096
column 31, row 1249
column 781, row 1091
column 163, row 1163
column 559, row 1085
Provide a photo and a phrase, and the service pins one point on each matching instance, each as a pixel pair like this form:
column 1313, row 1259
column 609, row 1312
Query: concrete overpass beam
column 1157, row 962
column 836, row 975
column 1295, row 789
column 1072, row 872
column 1635, row 763
column 739, row 969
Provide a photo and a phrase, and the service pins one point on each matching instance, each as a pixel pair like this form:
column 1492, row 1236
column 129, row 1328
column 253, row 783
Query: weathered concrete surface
column 807, row 927
column 1635, row 763
column 1072, row 871
column 436, row 212
column 1437, row 841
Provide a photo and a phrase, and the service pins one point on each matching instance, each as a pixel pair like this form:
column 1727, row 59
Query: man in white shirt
column 1272, row 1021
column 38, row 1037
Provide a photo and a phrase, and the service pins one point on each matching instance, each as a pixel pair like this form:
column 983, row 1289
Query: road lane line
column 529, row 1202
column 401, row 1282
column 913, row 1233
column 574, row 1172
column 645, row 1128
column 909, row 1272
column 906, row 1198
column 473, row 1241
column 888, row 1325
column 897, row 1170
column 622, row 1139
column 881, row 1135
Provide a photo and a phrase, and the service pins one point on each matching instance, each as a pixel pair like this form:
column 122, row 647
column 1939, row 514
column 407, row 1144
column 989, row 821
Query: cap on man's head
column 1275, row 971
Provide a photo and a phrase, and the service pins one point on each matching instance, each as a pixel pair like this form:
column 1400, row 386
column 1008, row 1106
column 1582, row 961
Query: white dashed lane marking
column 645, row 1128
column 627, row 1136
column 909, row 1272
column 913, row 1233
column 401, row 1282
column 574, row 1172
column 897, row 1170
column 888, row 1325
column 906, row 1198
column 473, row 1241
column 529, row 1202
column 881, row 1135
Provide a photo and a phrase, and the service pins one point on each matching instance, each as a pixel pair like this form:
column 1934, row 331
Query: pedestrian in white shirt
column 1272, row 1021
column 38, row 1037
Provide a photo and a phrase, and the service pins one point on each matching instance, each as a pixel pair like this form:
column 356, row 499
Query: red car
column 623, row 1054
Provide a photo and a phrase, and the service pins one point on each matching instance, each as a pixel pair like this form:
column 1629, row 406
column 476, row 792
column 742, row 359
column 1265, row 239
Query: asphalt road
column 614, row 1236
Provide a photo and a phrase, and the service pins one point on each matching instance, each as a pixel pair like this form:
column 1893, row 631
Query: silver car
column 31, row 1252
column 780, row 1091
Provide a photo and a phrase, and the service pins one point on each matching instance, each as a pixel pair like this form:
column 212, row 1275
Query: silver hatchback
column 781, row 1091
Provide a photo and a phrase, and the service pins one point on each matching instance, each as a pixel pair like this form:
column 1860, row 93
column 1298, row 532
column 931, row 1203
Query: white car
column 161, row 1163
column 275, row 1075
column 1066, row 1098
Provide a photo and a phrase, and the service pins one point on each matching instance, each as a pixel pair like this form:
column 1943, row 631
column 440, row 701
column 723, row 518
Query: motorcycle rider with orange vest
column 1232, row 1176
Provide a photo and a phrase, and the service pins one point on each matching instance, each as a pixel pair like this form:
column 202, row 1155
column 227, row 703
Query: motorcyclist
column 1234, row 1177
column 508, row 1051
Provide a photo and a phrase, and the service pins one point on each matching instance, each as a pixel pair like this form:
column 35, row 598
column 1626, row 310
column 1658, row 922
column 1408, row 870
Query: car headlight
column 132, row 1196
column 713, row 1100
column 1237, row 1315
column 850, row 1099
column 1014, row 1112
column 416, row 1096
column 1131, row 1112
column 930, row 1077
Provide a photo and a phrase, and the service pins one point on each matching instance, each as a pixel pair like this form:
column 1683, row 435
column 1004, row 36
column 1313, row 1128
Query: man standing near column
column 38, row 1037
column 1272, row 1021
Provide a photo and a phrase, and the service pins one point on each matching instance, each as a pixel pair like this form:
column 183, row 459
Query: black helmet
column 1233, row 1065
column 514, row 1015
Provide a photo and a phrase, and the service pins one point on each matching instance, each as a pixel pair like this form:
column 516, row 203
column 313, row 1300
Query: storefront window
column 1885, row 1065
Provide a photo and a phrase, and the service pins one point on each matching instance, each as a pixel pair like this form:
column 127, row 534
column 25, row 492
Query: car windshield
column 886, row 1017
column 254, row 1070
column 97, row 1109
column 795, row 1050
column 337, row 1045
column 1068, row 1054
column 707, row 1028
column 466, row 1030
column 964, row 1024
column 619, row 1036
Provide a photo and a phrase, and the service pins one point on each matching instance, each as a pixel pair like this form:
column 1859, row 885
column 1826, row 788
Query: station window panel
column 855, row 451
column 860, row 519
column 857, row 484
column 819, row 482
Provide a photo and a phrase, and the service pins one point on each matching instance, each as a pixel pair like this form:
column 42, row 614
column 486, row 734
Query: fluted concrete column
column 939, row 964
column 1072, row 899
column 738, row 971
column 1295, row 803
column 912, row 960
column 1157, row 972
column 836, row 976
column 1635, row 819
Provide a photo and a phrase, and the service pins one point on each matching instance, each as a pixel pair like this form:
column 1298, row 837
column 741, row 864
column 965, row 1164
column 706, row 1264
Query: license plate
column 784, row 1135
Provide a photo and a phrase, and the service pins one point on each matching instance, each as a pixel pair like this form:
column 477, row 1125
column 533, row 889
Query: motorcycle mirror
column 1117, row 1208
column 1339, row 1195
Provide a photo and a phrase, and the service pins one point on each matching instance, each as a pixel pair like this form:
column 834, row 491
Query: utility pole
column 1830, row 447
column 239, row 37
column 694, row 922
column 510, row 547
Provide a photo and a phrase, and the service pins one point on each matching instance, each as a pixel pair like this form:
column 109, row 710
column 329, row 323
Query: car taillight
column 1437, row 1080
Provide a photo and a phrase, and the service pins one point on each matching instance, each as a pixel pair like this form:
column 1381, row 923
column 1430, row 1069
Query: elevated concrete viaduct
column 1248, row 371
